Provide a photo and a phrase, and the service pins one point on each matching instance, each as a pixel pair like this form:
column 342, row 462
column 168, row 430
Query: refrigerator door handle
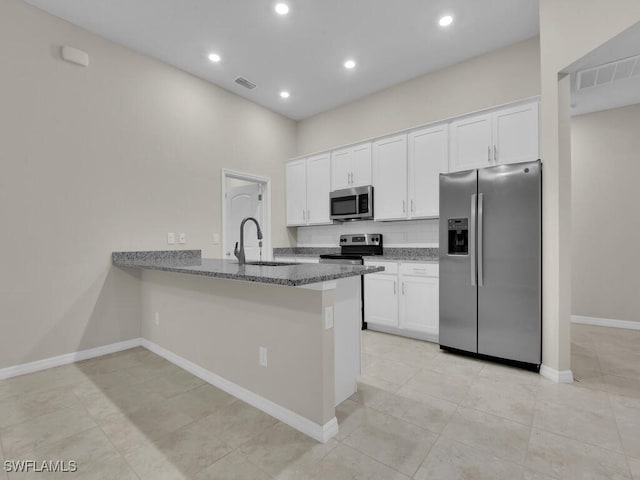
column 480, row 235
column 472, row 240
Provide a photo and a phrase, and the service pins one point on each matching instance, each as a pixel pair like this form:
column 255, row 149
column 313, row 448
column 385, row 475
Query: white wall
column 569, row 29
column 502, row 76
column 109, row 157
column 605, row 168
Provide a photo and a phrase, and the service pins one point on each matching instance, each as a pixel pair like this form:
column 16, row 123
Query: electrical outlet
column 183, row 238
column 328, row 318
column 262, row 351
column 156, row 318
column 171, row 238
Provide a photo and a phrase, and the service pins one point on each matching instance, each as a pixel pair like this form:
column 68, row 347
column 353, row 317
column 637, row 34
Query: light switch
column 171, row 238
column 183, row 238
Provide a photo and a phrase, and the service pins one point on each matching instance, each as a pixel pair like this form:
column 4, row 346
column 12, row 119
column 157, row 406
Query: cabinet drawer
column 390, row 268
column 419, row 269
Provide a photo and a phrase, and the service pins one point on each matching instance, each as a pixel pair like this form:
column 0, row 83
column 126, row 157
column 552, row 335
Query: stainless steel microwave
column 352, row 204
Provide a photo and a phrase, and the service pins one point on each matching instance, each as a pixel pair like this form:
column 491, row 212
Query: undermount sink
column 271, row 264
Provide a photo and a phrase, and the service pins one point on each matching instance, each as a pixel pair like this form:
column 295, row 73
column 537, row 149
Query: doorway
column 246, row 195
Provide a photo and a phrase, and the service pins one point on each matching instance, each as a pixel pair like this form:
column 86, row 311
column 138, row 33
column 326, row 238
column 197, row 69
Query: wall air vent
column 245, row 83
column 609, row 72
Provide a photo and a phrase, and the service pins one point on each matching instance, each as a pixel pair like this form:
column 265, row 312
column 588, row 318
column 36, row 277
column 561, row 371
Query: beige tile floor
column 419, row 413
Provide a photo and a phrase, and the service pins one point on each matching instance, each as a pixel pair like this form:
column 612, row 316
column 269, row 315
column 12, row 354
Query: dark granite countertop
column 190, row 262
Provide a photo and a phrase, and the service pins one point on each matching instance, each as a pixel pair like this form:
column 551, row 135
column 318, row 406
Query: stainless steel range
column 353, row 249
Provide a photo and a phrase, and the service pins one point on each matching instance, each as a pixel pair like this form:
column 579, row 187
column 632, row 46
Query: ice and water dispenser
column 458, row 236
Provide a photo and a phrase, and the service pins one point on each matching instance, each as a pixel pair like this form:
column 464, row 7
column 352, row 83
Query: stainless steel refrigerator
column 490, row 262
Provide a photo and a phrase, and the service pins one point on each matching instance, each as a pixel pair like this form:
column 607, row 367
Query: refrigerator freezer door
column 458, row 293
column 509, row 293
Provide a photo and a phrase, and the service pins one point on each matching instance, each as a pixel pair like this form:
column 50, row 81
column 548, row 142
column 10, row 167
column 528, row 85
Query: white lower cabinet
column 403, row 299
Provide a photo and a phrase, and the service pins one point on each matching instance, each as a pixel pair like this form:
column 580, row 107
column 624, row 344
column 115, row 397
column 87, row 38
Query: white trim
column 404, row 332
column 67, row 358
column 321, row 433
column 558, row 376
column 266, row 211
column 605, row 322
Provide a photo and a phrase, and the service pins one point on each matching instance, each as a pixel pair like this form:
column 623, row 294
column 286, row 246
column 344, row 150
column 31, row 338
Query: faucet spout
column 239, row 252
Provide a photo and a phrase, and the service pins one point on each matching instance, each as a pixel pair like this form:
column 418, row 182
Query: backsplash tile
column 410, row 233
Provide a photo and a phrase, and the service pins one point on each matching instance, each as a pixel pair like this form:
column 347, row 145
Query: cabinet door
column 428, row 157
column 318, row 188
column 296, row 191
column 419, row 304
column 390, row 178
column 361, row 165
column 381, row 299
column 515, row 132
column 341, row 168
column 471, row 143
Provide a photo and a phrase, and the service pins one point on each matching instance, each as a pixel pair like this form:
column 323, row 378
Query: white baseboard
column 605, row 322
column 403, row 332
column 558, row 376
column 67, row 358
column 321, row 433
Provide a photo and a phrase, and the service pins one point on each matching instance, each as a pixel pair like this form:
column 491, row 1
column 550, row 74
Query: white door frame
column 266, row 211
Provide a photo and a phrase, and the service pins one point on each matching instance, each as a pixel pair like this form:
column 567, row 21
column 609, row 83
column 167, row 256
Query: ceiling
column 619, row 93
column 304, row 51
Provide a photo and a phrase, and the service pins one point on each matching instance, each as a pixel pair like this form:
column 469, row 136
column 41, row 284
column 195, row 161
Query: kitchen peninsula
column 285, row 338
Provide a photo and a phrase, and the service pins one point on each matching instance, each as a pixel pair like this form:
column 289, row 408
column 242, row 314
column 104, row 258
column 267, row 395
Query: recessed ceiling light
column 284, row 94
column 214, row 57
column 349, row 64
column 445, row 21
column 282, row 8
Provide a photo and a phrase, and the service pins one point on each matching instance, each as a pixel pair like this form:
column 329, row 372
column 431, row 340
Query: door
column 428, row 156
column 471, row 141
column 318, row 189
column 296, row 185
column 381, row 299
column 509, row 261
column 515, row 133
column 361, row 165
column 242, row 202
column 458, row 292
column 419, row 303
column 341, row 169
column 390, row 178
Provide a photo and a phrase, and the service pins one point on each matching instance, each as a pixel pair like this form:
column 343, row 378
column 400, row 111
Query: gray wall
column 605, row 167
column 109, row 157
column 502, row 76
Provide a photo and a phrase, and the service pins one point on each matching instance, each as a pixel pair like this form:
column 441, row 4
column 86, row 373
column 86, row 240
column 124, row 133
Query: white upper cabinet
column 507, row 135
column 296, row 192
column 361, row 165
column 428, row 158
column 471, row 143
column 351, row 166
column 308, row 183
column 318, row 188
column 390, row 178
column 516, row 137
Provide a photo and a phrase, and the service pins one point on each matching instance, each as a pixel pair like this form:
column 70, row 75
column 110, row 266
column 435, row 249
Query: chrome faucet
column 239, row 252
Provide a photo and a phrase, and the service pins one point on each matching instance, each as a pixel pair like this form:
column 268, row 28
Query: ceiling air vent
column 609, row 73
column 245, row 83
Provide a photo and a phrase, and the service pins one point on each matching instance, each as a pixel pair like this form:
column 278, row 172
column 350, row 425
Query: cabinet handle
column 304, row 216
column 489, row 154
column 404, row 206
column 495, row 154
column 308, row 214
column 412, row 206
column 403, row 288
column 351, row 178
column 419, row 270
column 394, row 288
